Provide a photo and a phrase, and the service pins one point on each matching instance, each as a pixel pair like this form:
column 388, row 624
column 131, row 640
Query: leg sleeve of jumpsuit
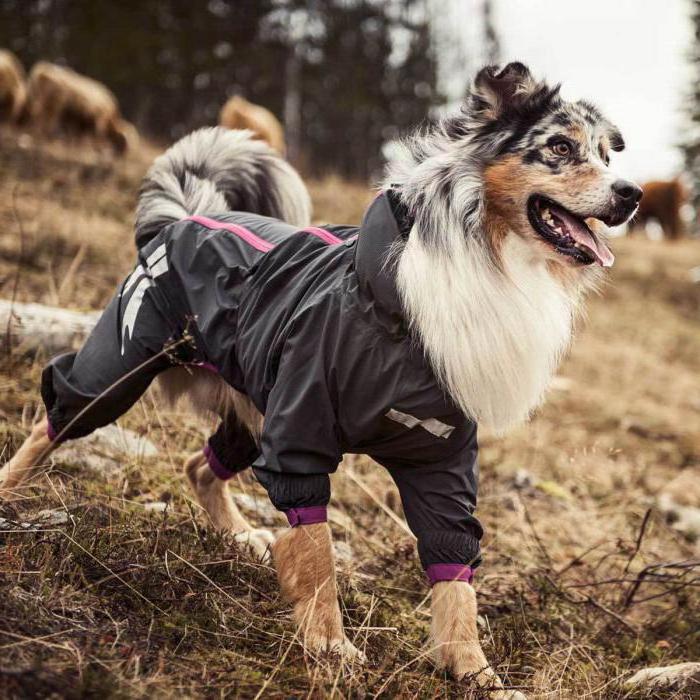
column 86, row 390
column 231, row 449
column 439, row 500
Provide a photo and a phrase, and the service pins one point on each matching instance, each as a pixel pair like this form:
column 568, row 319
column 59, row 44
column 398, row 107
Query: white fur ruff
column 494, row 338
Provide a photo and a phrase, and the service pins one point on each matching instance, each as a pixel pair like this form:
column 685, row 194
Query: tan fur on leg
column 213, row 495
column 25, row 463
column 306, row 570
column 456, row 639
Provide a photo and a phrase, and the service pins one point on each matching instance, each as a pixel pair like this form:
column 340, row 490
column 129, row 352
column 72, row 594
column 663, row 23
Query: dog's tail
column 215, row 170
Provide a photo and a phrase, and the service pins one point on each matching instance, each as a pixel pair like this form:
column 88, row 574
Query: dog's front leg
column 305, row 566
column 213, row 495
column 26, row 462
column 456, row 640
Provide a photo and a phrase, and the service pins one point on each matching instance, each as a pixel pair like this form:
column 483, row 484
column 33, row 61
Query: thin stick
column 640, row 537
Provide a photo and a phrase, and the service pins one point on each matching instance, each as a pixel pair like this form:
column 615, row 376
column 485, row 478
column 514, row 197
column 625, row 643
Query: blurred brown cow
column 13, row 91
column 238, row 113
column 61, row 99
column 662, row 201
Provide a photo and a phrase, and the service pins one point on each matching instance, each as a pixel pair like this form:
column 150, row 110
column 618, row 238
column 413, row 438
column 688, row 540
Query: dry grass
column 583, row 580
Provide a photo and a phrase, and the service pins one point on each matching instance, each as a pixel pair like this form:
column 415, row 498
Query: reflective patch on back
column 159, row 268
column 132, row 309
column 432, row 425
column 156, row 255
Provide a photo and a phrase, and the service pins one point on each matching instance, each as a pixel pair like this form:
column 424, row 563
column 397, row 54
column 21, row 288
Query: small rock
column 676, row 677
column 52, row 517
column 523, row 479
column 123, row 440
column 685, row 519
column 105, row 449
column 343, row 552
column 156, row 506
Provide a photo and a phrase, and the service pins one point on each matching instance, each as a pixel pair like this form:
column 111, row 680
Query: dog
column 663, row 202
column 450, row 306
column 239, row 113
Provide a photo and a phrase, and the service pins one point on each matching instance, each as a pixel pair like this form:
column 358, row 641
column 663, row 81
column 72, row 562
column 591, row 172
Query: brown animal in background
column 61, row 99
column 13, row 91
column 662, row 202
column 238, row 113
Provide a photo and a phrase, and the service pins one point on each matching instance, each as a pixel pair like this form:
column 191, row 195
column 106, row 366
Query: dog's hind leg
column 235, row 442
column 456, row 640
column 26, row 463
column 213, row 495
column 305, row 566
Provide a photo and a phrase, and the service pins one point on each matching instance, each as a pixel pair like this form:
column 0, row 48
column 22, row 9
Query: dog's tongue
column 578, row 230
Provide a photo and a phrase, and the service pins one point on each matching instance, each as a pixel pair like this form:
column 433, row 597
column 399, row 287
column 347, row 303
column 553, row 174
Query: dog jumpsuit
column 309, row 325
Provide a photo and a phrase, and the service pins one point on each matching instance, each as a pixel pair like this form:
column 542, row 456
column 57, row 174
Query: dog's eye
column 561, row 148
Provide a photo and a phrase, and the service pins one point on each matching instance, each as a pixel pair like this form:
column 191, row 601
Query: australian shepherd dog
column 509, row 202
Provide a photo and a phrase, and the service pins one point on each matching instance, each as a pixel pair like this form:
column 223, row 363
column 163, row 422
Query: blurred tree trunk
column 492, row 44
column 691, row 146
column 292, row 107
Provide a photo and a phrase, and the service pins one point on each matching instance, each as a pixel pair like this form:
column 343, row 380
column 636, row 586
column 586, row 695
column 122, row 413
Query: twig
column 640, row 537
column 401, row 523
column 648, row 570
column 540, row 544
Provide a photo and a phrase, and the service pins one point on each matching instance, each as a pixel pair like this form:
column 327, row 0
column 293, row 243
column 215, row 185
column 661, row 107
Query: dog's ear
column 496, row 91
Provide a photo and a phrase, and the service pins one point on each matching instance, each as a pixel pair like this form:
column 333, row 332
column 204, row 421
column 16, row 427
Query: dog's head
column 546, row 166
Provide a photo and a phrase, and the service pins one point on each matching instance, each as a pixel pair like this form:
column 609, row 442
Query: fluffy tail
column 215, row 170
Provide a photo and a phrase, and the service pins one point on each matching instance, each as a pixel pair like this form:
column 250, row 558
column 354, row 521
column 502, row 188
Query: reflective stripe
column 159, row 268
column 156, row 255
column 325, row 236
column 432, row 425
column 248, row 236
column 132, row 309
column 133, row 277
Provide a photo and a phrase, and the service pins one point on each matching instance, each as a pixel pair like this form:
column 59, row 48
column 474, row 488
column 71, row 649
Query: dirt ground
column 584, row 579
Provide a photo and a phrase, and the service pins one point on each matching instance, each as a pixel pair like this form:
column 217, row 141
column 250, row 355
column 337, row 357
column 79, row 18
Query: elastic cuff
column 306, row 516
column 216, row 466
column 449, row 572
column 50, row 431
column 294, row 491
column 440, row 546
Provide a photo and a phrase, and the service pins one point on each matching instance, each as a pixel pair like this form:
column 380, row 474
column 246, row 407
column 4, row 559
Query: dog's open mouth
column 567, row 233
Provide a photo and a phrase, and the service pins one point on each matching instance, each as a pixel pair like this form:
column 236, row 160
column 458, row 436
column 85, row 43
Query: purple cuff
column 306, row 516
column 449, row 572
column 50, row 431
column 216, row 466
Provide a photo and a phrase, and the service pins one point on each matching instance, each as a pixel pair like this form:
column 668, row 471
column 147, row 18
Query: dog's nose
column 627, row 191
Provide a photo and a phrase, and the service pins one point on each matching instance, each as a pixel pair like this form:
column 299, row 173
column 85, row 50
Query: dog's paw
column 341, row 648
column 260, row 540
column 466, row 661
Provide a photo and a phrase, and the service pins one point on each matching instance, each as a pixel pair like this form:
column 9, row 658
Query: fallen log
column 28, row 328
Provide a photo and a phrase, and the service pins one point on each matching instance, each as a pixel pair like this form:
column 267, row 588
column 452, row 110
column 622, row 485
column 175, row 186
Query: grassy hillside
column 584, row 580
